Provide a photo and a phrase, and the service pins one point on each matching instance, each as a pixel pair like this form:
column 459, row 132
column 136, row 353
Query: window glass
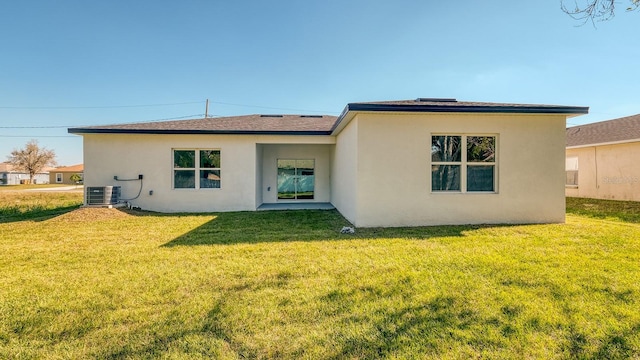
column 209, row 158
column 184, row 179
column 446, row 148
column 572, row 171
column 210, row 179
column 480, row 178
column 196, row 169
column 445, row 177
column 463, row 163
column 481, row 148
column 184, row 159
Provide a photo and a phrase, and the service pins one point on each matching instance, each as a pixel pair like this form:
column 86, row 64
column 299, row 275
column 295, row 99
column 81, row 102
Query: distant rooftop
column 72, row 168
column 6, row 167
column 610, row 131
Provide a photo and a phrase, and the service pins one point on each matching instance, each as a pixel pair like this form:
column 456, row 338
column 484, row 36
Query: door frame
column 295, row 199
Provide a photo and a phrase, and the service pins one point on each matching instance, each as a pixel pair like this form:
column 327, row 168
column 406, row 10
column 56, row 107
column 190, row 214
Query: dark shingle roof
column 319, row 124
column 247, row 124
column 452, row 105
column 616, row 130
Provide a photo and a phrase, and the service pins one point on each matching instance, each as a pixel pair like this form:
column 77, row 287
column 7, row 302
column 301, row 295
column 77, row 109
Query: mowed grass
column 105, row 283
column 16, row 205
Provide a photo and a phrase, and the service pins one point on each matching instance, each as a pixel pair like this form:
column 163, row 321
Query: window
column 571, row 167
column 196, row 169
column 58, row 177
column 463, row 163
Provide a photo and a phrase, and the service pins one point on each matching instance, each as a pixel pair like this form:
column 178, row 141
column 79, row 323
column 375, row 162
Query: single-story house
column 392, row 163
column 62, row 174
column 602, row 159
column 9, row 175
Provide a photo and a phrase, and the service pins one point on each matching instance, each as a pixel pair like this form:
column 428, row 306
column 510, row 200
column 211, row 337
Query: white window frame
column 196, row 169
column 59, row 178
column 464, row 164
column 572, row 165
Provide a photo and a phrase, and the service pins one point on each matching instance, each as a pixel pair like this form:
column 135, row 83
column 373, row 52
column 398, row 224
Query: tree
column 595, row 10
column 32, row 159
column 76, row 178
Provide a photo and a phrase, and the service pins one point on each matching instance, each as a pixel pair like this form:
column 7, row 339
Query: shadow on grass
column 299, row 225
column 9, row 215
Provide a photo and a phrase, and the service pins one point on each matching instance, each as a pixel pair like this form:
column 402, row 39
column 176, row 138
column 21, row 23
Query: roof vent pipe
column 435, row 100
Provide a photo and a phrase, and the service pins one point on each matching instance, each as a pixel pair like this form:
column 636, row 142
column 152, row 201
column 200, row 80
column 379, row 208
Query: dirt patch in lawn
column 92, row 214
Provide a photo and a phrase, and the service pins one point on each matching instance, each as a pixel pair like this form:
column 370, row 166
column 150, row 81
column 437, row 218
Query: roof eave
column 618, row 142
column 348, row 111
column 530, row 109
column 81, row 131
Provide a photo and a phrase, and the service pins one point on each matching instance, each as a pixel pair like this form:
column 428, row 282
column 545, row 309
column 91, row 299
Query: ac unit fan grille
column 103, row 195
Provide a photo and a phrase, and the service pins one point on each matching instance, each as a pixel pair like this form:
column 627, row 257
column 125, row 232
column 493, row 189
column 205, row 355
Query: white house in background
column 602, row 159
column 9, row 175
column 392, row 163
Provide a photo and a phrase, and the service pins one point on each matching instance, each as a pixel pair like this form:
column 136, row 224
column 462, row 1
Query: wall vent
column 103, row 195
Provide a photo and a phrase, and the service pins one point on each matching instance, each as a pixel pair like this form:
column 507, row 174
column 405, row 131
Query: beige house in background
column 393, row 163
column 62, row 175
column 603, row 159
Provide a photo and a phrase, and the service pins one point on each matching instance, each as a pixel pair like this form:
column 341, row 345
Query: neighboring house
column 602, row 159
column 393, row 163
column 9, row 175
column 62, row 175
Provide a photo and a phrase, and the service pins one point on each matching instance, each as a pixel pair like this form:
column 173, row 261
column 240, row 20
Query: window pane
column 184, row 179
column 480, row 178
column 209, row 179
column 571, row 163
column 572, row 177
column 445, row 148
column 184, row 159
column 445, row 177
column 481, row 148
column 209, row 158
column 286, row 179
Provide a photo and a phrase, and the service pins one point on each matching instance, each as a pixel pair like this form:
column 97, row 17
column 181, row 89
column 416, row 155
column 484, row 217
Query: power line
column 274, row 108
column 69, row 126
column 95, row 107
column 165, row 104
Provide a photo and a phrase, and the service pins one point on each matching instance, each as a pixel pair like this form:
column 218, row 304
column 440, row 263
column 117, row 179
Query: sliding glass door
column 296, row 179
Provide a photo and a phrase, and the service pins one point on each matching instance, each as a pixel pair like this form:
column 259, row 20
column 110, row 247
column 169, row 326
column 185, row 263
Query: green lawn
column 104, row 283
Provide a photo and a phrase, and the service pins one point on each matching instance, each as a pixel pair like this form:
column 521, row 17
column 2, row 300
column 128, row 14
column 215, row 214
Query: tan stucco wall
column 128, row 155
column 344, row 172
column 66, row 177
column 394, row 177
column 320, row 153
column 607, row 172
column 259, row 187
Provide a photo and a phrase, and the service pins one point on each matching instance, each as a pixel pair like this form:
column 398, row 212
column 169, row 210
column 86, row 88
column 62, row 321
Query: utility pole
column 206, row 109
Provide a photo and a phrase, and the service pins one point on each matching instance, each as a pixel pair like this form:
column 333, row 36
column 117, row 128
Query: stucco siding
column 607, row 172
column 322, row 172
column 66, row 177
column 395, row 173
column 259, row 182
column 344, row 172
column 128, row 156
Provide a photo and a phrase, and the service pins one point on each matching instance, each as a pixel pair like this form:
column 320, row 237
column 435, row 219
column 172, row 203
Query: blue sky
column 74, row 63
